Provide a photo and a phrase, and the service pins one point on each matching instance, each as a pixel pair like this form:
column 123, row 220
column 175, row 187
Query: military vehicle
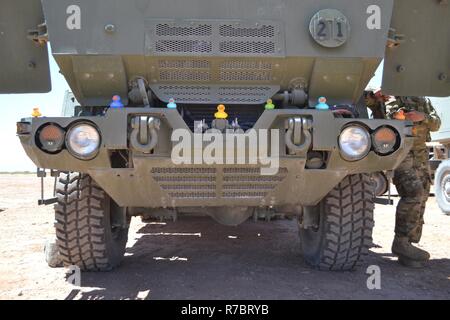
column 142, row 70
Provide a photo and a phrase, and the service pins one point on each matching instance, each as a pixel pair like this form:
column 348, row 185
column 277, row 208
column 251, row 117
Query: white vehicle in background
column 440, row 160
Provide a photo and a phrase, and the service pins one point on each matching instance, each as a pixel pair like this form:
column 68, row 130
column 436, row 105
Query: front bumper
column 153, row 180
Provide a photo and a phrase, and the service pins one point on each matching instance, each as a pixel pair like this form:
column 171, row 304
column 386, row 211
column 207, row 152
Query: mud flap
column 417, row 61
column 24, row 63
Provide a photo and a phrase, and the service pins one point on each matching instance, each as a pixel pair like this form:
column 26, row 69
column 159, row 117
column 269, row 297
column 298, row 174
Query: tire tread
column 79, row 222
column 349, row 221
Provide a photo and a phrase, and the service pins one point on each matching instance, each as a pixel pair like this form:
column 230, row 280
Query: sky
column 13, row 107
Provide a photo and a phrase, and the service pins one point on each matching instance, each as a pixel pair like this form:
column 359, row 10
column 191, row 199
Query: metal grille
column 215, row 94
column 200, row 70
column 245, row 76
column 184, row 75
column 244, row 94
column 247, row 187
column 253, row 178
column 187, row 183
column 188, row 187
column 209, row 81
column 244, row 194
column 184, row 64
column 184, row 70
column 183, row 94
column 192, row 195
column 165, row 29
column 214, row 38
column 246, row 70
column 265, row 31
column 183, row 46
column 246, row 64
column 249, row 183
column 185, row 179
column 202, row 183
column 247, row 47
column 158, row 171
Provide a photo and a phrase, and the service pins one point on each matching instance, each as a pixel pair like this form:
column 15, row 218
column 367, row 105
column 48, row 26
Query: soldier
column 412, row 178
column 376, row 102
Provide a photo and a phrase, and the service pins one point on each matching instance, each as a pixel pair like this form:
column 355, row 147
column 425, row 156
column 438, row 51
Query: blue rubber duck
column 116, row 103
column 172, row 104
column 322, row 105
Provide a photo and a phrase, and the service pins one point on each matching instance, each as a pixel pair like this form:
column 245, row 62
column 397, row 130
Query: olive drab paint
column 202, row 52
column 237, row 55
column 403, row 25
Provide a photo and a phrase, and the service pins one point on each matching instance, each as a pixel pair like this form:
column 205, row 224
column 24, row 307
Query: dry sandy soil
column 259, row 261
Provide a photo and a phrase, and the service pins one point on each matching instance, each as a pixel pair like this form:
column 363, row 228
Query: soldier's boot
column 409, row 255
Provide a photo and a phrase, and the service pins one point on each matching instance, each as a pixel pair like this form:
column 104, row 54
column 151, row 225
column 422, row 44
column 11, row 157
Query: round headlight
column 384, row 140
column 51, row 138
column 83, row 141
column 354, row 143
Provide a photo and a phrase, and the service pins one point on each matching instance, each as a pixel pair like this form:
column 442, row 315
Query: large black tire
column 344, row 230
column 442, row 186
column 85, row 235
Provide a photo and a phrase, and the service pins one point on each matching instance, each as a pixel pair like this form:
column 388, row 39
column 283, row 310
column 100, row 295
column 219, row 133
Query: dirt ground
column 197, row 258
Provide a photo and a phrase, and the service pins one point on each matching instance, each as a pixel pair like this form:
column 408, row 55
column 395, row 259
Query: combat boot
column 409, row 255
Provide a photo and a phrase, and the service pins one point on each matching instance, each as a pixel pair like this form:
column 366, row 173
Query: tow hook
column 144, row 134
column 298, row 130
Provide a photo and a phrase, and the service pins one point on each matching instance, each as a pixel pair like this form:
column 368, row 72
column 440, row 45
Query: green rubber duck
column 269, row 105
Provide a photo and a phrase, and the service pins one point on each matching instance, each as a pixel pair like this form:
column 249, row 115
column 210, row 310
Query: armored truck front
column 226, row 108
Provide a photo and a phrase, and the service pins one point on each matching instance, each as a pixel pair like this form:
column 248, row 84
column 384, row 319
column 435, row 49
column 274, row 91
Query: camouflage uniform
column 412, row 177
column 377, row 108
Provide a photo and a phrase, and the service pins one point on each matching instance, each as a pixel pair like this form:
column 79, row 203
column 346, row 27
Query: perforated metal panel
column 202, row 183
column 183, row 46
column 263, row 31
column 249, row 183
column 184, row 64
column 214, row 94
column 194, row 65
column 183, row 93
column 245, row 75
column 246, row 70
column 171, row 30
column 184, row 70
column 247, row 47
column 184, row 75
column 214, row 38
column 185, row 183
column 189, row 70
column 246, row 64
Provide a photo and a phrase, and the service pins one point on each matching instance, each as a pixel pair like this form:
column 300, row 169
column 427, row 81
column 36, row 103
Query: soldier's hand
column 415, row 116
column 400, row 115
column 381, row 97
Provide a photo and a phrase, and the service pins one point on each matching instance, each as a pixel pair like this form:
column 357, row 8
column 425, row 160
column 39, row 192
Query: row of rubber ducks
column 322, row 104
column 220, row 114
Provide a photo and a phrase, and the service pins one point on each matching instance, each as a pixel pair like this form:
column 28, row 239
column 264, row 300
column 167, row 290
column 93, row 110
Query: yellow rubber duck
column 36, row 113
column 221, row 114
